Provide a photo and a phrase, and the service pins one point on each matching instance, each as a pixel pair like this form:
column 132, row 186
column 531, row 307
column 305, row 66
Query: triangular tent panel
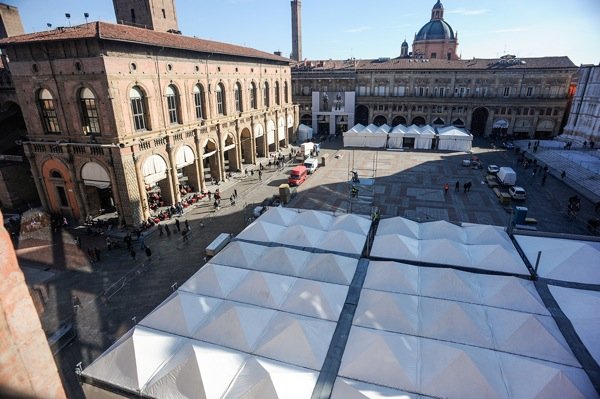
column 393, row 277
column 261, row 232
column 214, row 280
column 316, row 299
column 388, row 311
column 395, row 246
column 314, row 219
column 282, row 260
column 235, row 325
column 342, row 241
column 381, row 358
column 198, row 370
column 298, row 340
column 449, row 284
column 329, row 268
column 351, row 223
column 441, row 229
column 238, row 254
column 262, row 289
column 511, row 293
column 300, row 236
column 496, row 257
column 444, row 251
column 484, row 234
column 181, row 313
column 279, row 216
column 132, row 360
column 350, row 389
column 399, row 225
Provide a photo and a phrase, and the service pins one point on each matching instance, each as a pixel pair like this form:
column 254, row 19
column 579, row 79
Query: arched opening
column 361, row 115
column 281, row 131
column 221, row 99
column 60, row 189
column 479, row 121
column 271, row 135
column 458, row 123
column 438, row 122
column 199, row 102
column 173, row 108
column 90, row 119
column 380, row 120
column 306, row 120
column 522, row 128
column 139, row 109
column 158, row 190
column 210, row 160
column 500, row 128
column 230, row 154
column 98, row 189
column 323, row 128
column 399, row 120
column 259, row 137
column 187, row 174
column 419, row 121
column 246, row 146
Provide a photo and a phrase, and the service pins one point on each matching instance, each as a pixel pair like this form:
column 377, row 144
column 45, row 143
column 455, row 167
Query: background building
column 584, row 118
column 509, row 96
column 115, row 112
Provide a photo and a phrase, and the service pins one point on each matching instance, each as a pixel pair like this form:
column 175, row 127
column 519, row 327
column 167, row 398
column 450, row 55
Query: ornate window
column 138, row 108
column 277, row 95
column 252, row 92
column 266, row 95
column 173, row 105
column 220, row 92
column 48, row 112
column 89, row 111
column 199, row 101
column 237, row 91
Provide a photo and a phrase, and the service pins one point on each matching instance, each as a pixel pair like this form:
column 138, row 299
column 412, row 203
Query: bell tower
column 296, row 31
column 157, row 15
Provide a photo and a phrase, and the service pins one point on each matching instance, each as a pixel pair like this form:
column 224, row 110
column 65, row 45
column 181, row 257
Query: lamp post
column 86, row 16
column 68, row 16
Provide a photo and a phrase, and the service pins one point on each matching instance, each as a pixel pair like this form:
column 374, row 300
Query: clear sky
column 340, row 29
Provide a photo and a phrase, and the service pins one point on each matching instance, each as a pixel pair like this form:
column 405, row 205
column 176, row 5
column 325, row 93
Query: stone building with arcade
column 115, row 112
column 507, row 96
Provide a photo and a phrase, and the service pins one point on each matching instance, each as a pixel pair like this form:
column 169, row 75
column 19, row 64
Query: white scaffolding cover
column 581, row 307
column 562, row 259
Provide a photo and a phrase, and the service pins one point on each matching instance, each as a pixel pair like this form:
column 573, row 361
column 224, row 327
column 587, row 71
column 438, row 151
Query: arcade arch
column 419, row 121
column 399, row 120
column 479, row 121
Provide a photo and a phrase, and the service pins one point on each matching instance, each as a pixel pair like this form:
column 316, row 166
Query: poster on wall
column 333, row 101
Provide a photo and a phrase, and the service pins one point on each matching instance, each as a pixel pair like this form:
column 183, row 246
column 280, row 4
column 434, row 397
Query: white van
column 311, row 164
column 506, row 176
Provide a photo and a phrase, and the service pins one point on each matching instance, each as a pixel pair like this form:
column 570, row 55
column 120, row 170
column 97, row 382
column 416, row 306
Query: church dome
column 435, row 30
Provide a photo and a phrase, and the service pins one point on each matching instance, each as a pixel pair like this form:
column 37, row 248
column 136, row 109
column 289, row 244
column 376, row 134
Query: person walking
column 563, row 174
column 457, row 187
column 544, row 178
column 260, row 175
column 167, row 230
column 160, row 230
column 235, row 192
column 469, row 184
column 97, row 254
column 148, row 252
column 446, row 188
column 177, row 225
column 187, row 225
column 465, row 186
column 132, row 253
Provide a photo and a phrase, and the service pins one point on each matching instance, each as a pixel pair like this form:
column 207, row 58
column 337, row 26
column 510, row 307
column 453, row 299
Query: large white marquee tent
column 260, row 318
column 454, row 139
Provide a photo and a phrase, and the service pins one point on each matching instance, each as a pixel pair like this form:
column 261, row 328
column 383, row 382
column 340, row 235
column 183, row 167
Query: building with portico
column 114, row 112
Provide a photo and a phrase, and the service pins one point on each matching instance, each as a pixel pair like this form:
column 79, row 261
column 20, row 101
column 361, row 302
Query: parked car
column 509, row 145
column 493, row 169
column 517, row 193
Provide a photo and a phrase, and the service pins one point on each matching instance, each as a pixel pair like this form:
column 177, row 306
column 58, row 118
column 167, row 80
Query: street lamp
column 68, row 16
column 86, row 16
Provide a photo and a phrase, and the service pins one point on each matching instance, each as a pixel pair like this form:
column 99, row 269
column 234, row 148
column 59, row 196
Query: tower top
column 157, row 15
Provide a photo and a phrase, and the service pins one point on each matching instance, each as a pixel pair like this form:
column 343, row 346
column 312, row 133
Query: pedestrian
column 261, row 167
column 216, row 204
column 187, row 225
column 167, row 230
column 209, row 194
column 563, row 174
column 132, row 253
column 160, row 230
column 529, row 145
column 232, row 200
column 148, row 252
column 235, row 193
column 469, row 184
column 97, row 254
column 260, row 175
column 457, row 186
column 252, row 172
column 184, row 235
column 446, row 188
column 177, row 225
column 142, row 242
column 533, row 172
column 544, row 178
column 465, row 186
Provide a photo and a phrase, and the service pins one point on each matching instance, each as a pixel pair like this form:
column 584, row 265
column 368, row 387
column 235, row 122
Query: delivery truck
column 506, row 176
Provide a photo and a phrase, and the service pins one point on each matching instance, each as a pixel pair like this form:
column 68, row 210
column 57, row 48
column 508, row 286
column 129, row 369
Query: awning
column 209, row 154
column 228, row 147
column 154, row 169
column 184, row 157
column 501, row 124
column 93, row 174
column 258, row 130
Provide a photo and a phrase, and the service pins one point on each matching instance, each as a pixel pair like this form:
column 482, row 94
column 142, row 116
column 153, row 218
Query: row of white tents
column 448, row 138
column 258, row 320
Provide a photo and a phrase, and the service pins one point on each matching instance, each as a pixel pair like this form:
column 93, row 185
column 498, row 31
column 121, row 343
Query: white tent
column 423, row 137
column 239, row 254
column 342, row 241
column 454, row 139
column 261, row 231
column 281, row 260
column 396, row 136
column 371, row 136
column 280, row 216
column 262, row 289
column 304, row 134
column 353, row 137
column 329, row 268
column 442, row 229
column 581, row 307
column 351, row 223
column 505, row 292
column 316, row 299
column 445, row 369
column 562, row 259
column 214, row 280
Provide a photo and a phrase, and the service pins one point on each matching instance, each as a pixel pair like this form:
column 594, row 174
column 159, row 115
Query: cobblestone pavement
column 118, row 291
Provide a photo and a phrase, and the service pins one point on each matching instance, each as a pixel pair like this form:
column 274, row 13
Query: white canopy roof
column 345, row 388
column 581, row 307
column 304, row 133
column 184, row 156
column 445, row 369
column 474, row 246
column 562, row 259
column 154, row 169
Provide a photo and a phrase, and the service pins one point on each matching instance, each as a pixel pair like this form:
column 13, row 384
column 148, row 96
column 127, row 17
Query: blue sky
column 340, row 29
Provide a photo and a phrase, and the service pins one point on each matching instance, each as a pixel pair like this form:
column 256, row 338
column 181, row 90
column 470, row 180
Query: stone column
column 199, row 164
column 220, row 154
column 28, row 367
column 141, row 187
column 37, row 178
column 75, row 185
column 172, row 173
